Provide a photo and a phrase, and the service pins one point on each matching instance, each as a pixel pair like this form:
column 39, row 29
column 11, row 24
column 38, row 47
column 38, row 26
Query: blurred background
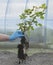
column 41, row 37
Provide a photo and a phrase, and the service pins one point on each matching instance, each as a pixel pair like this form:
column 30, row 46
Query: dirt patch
column 10, row 58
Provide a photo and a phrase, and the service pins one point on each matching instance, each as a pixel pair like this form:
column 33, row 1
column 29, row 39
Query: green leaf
column 35, row 22
column 32, row 28
column 23, row 16
column 37, row 14
column 39, row 24
column 43, row 6
column 28, row 11
column 42, row 17
column 41, row 13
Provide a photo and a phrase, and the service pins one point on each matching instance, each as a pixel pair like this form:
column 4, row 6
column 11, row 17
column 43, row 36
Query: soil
column 10, row 58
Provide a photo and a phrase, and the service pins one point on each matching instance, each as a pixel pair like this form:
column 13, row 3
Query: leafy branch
column 29, row 17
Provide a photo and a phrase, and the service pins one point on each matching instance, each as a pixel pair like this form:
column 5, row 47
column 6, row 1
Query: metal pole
column 5, row 16
column 26, row 4
column 45, row 22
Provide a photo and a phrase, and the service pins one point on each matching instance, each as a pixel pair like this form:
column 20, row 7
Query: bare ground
column 10, row 58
